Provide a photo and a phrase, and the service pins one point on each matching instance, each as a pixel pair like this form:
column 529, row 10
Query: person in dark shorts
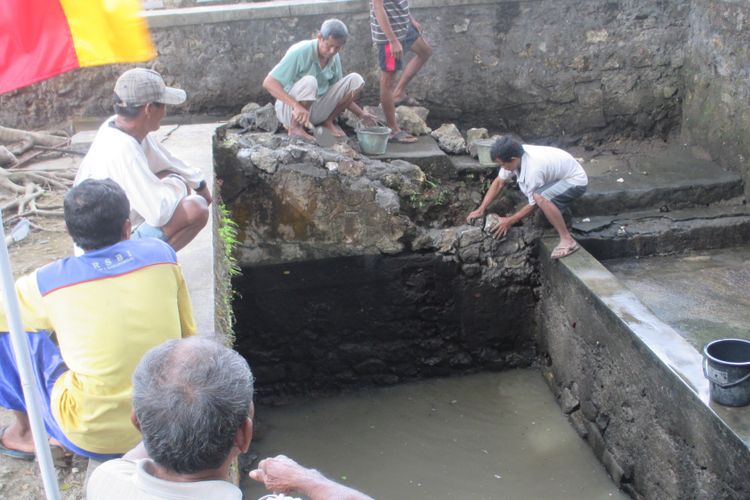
column 549, row 177
column 395, row 32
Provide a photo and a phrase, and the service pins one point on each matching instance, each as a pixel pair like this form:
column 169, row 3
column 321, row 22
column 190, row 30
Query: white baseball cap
column 140, row 86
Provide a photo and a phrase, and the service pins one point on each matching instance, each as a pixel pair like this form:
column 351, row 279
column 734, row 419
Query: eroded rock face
column 350, row 260
column 295, row 200
column 450, row 139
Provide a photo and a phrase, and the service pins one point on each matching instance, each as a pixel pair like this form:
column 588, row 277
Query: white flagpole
column 23, row 360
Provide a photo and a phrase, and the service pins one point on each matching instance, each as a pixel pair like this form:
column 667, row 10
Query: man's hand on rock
column 479, row 212
column 502, row 227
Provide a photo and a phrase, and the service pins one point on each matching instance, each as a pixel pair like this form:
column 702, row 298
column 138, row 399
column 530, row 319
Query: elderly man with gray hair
column 309, row 85
column 193, row 403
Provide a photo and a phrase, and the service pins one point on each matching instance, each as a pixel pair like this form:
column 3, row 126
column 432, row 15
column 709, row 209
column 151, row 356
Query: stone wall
column 318, row 327
column 716, row 112
column 557, row 70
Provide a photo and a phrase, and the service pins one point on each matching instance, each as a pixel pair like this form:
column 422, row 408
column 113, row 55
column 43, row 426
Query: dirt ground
column 21, row 479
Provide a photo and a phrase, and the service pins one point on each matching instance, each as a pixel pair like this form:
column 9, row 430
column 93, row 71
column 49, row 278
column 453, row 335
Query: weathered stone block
column 450, row 139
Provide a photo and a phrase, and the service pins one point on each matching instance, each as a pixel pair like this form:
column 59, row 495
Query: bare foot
column 15, row 440
column 335, row 129
column 300, row 132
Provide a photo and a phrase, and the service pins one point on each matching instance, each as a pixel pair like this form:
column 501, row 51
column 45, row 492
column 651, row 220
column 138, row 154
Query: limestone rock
column 388, row 200
column 243, row 157
column 345, row 149
column 254, row 117
column 265, row 118
column 351, row 168
column 412, row 119
column 264, row 159
column 450, row 139
column 491, row 220
column 349, row 119
column 568, row 402
column 472, row 136
column 249, row 107
column 399, row 175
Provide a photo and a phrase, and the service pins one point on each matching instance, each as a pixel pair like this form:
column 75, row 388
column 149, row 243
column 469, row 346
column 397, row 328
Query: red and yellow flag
column 43, row 38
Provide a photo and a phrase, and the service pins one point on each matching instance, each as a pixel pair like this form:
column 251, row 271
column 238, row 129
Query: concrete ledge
column 634, row 388
column 168, row 18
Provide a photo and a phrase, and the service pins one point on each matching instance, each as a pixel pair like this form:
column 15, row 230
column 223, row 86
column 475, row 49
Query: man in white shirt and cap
column 158, row 185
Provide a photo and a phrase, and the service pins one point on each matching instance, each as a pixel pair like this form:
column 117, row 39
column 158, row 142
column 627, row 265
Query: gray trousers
column 306, row 90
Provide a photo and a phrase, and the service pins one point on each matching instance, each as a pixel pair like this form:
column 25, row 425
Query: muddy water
column 486, row 436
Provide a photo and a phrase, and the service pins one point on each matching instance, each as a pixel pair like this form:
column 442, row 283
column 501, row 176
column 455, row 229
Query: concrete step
column 469, row 168
column 653, row 232
column 675, row 177
column 425, row 153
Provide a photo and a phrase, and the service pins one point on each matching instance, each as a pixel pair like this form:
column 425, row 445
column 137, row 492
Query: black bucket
column 726, row 365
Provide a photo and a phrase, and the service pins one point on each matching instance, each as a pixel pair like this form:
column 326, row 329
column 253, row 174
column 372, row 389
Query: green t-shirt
column 301, row 60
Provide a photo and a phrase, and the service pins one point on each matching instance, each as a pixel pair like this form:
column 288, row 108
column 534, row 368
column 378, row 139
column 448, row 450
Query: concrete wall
column 716, row 112
column 550, row 69
column 634, row 389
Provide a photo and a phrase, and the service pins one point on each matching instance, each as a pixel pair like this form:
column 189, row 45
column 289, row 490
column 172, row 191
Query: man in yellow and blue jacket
column 106, row 307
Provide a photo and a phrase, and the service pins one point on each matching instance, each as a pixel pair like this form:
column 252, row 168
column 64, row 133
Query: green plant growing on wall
column 435, row 194
column 228, row 233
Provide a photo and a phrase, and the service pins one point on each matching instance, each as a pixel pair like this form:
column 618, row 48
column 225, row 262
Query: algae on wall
column 716, row 112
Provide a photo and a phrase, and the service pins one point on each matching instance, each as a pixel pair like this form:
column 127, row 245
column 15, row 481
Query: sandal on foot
column 402, row 137
column 560, row 251
column 8, row 452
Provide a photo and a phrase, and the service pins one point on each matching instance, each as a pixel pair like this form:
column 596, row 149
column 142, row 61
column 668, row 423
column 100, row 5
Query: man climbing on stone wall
column 193, row 402
column 158, row 184
column 106, row 308
column 309, row 85
column 396, row 32
column 549, row 177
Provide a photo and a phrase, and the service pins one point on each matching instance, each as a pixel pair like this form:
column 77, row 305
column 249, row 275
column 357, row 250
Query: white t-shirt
column 124, row 479
column 118, row 156
column 542, row 165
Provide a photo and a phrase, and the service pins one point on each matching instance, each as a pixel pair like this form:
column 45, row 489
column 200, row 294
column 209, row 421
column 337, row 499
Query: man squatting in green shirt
column 309, row 87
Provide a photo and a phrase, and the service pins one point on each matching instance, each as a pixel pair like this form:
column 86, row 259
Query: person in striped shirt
column 395, row 32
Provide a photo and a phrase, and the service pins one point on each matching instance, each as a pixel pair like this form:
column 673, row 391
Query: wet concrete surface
column 486, row 436
column 704, row 296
